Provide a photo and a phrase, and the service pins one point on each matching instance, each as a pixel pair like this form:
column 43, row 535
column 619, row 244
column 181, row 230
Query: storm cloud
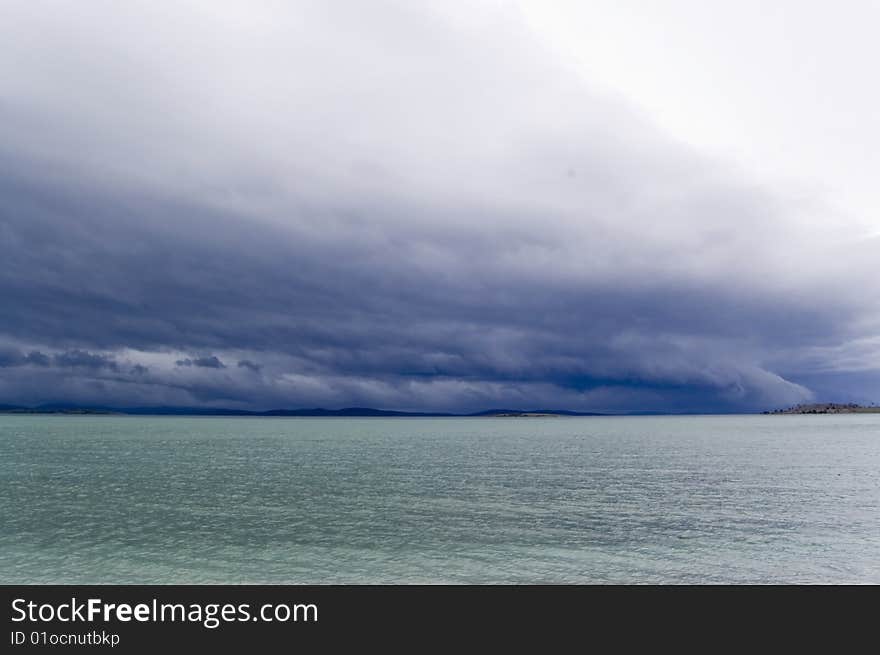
column 203, row 362
column 408, row 208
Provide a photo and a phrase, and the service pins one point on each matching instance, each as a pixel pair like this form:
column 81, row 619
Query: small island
column 828, row 408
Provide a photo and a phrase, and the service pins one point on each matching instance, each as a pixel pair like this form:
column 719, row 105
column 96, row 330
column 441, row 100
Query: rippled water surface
column 604, row 500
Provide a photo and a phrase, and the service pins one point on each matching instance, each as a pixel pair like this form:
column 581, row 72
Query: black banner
column 154, row 618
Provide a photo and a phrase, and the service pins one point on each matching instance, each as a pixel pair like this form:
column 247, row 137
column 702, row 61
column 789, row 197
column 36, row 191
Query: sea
column 595, row 500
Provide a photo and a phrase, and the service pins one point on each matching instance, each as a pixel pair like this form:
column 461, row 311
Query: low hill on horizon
column 317, row 411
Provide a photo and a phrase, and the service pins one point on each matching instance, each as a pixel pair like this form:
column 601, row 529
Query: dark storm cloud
column 10, row 357
column 415, row 240
column 202, row 362
column 83, row 359
column 36, row 358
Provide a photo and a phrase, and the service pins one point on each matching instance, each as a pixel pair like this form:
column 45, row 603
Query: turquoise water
column 761, row 499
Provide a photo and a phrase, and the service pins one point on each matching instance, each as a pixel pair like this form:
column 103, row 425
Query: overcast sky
column 609, row 206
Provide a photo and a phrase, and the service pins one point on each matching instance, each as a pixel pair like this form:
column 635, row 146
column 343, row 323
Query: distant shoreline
column 360, row 412
column 370, row 412
column 828, row 408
